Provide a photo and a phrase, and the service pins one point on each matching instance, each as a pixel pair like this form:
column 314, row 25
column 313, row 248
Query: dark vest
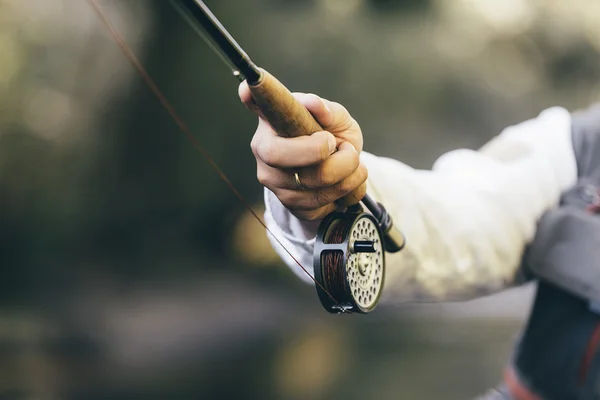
column 558, row 354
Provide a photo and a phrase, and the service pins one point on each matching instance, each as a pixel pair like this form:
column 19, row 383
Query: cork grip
column 289, row 118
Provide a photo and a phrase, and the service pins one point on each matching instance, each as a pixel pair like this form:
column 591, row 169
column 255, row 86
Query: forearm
column 468, row 220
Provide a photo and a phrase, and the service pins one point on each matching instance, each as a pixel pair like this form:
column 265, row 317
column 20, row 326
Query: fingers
column 332, row 170
column 310, row 200
column 302, row 151
column 337, row 177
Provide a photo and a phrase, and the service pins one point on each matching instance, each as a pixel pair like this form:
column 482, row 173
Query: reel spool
column 349, row 261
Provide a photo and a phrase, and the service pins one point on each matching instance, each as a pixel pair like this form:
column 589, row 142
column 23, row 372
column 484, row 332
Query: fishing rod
column 350, row 247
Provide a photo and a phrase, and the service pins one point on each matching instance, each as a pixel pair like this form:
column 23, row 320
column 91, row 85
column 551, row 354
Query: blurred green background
column 129, row 270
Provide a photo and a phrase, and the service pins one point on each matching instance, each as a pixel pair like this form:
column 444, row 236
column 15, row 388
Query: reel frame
column 330, row 261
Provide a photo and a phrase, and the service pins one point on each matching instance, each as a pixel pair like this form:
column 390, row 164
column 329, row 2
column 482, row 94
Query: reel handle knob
column 363, row 246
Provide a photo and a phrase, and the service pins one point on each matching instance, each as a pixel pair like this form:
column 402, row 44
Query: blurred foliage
column 128, row 267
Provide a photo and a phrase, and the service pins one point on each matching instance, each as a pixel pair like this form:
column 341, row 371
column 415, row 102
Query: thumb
column 246, row 97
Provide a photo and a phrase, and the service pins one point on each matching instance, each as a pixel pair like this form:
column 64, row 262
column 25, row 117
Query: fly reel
column 349, row 261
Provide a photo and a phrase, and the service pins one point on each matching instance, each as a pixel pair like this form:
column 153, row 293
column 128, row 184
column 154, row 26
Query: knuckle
column 269, row 153
column 346, row 120
column 341, row 107
column 345, row 187
column 362, row 192
column 263, row 177
column 325, row 177
column 354, row 159
column 363, row 173
column 321, row 198
column 353, row 182
column 350, row 122
column 254, row 144
column 312, row 98
column 320, row 150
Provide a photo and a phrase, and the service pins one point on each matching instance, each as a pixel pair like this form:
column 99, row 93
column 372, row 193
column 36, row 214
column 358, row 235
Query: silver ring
column 298, row 182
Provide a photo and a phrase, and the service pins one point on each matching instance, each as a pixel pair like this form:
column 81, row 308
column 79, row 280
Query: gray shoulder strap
column 586, row 140
column 566, row 252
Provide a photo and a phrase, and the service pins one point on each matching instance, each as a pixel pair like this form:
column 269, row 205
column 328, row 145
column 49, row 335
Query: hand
column 326, row 174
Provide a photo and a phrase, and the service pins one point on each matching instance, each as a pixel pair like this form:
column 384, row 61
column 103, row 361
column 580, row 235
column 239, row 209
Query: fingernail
column 332, row 144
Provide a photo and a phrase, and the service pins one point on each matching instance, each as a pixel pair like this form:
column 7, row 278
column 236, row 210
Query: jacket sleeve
column 467, row 220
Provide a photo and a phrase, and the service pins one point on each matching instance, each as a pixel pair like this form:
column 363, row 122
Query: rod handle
column 289, row 118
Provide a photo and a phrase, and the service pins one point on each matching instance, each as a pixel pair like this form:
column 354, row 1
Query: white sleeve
column 467, row 220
